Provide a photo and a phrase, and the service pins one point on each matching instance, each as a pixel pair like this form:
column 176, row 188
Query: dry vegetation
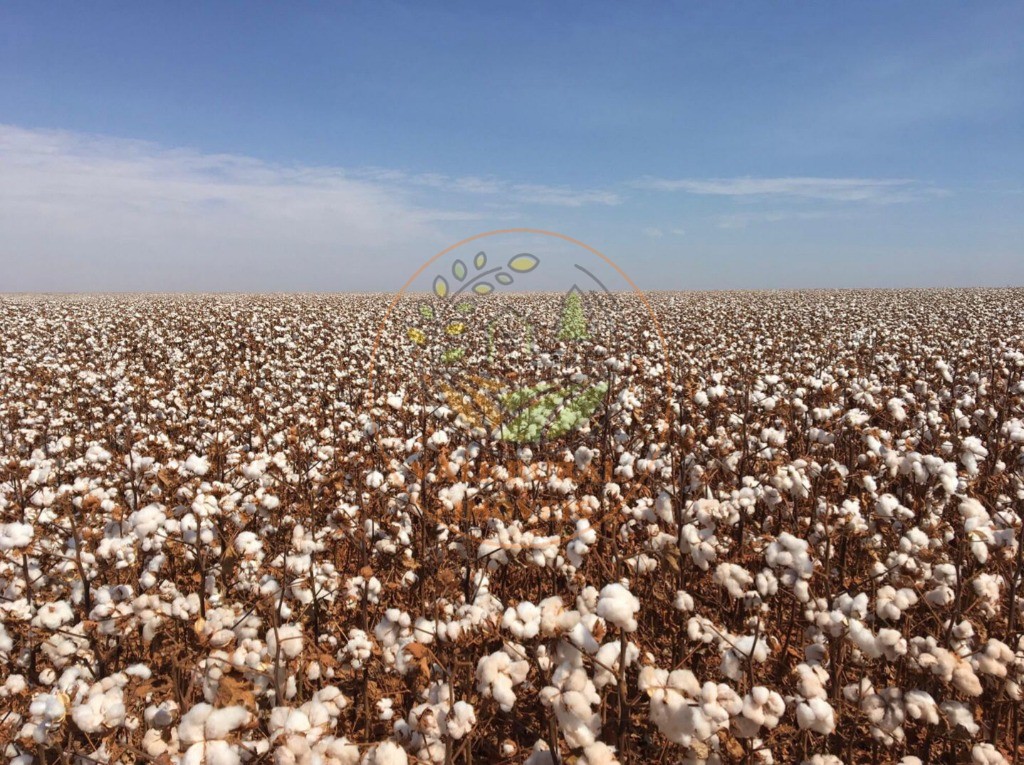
column 217, row 546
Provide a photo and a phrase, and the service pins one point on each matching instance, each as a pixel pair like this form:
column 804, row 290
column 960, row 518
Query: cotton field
column 779, row 528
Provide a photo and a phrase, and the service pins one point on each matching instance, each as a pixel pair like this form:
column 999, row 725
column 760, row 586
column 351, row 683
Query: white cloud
column 82, row 212
column 653, row 232
column 879, row 190
column 744, row 219
column 523, row 193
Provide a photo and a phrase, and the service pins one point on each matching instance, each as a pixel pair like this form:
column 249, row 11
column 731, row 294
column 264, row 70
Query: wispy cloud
column 522, row 193
column 658, row 233
column 96, row 212
column 741, row 220
column 878, row 190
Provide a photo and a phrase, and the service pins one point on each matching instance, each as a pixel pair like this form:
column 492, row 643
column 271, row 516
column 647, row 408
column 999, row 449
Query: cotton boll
column 890, row 603
column 921, row 706
column 386, row 753
column 222, row 753
column 761, row 708
column 523, row 621
column 683, row 601
column 101, row 709
column 497, row 675
column 816, row 715
column 357, row 650
column 220, row 722
column 735, row 579
column 993, row 659
column 197, row 465
column 598, row 753
column 460, row 720
column 191, row 729
column 812, row 680
column 146, row 521
column 986, row 754
column 740, row 650
column 54, row 615
column 555, row 620
column 15, row 535
column 606, row 662
column 288, row 637
column 573, row 698
column 672, row 704
column 959, row 715
column 618, row 606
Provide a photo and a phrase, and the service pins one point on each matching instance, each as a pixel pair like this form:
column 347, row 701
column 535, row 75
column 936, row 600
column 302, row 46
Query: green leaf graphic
column 524, row 262
column 480, row 260
column 549, row 412
column 440, row 287
column 459, row 270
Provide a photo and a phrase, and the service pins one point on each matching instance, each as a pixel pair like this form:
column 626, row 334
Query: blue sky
column 238, row 146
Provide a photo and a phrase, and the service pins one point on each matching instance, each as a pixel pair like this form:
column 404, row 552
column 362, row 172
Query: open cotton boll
column 386, row 753
column 523, row 621
column 606, row 662
column 53, row 615
column 618, row 606
column 497, row 675
column 762, row 707
column 101, row 709
column 191, row 729
column 735, row 579
column 460, row 719
column 816, row 715
column 288, row 637
column 958, row 714
column 220, row 722
column 928, row 655
column 886, row 713
column 357, row 650
column 15, row 535
column 598, row 753
column 683, row 601
column 986, row 754
column 890, row 603
column 147, row 520
column 573, row 698
column 555, row 620
column 740, row 650
column 212, row 753
column 993, row 659
column 196, row 465
column 812, row 679
column 673, row 708
column 921, row 706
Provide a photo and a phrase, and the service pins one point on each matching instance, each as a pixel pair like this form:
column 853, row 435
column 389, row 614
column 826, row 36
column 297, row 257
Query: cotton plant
column 820, row 527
